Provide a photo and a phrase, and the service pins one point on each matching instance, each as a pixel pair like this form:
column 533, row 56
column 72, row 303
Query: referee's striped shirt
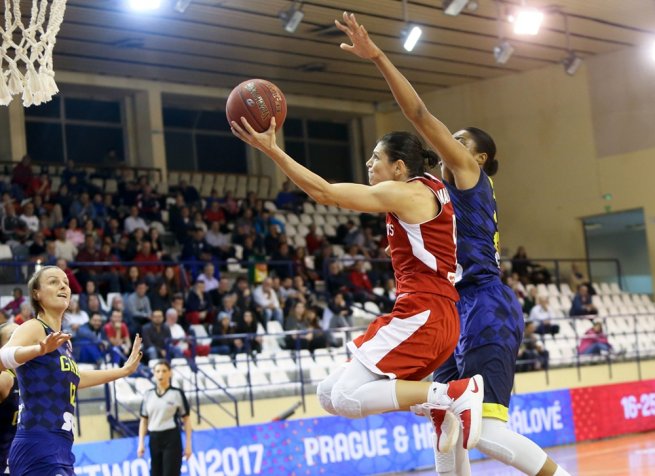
column 164, row 411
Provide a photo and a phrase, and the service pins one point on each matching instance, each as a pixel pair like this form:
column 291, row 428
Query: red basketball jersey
column 424, row 255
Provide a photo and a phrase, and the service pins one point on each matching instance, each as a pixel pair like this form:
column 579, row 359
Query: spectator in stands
column 178, row 304
column 582, row 305
column 337, row 281
column 137, row 308
column 229, row 308
column 360, row 283
column 148, row 203
column 214, row 213
column 156, row 336
column 293, row 321
column 91, row 341
column 286, row 199
column 198, row 305
column 39, row 186
column 172, row 279
column 38, row 248
column 287, row 293
column 21, row 176
column 196, row 248
column 62, row 201
column 542, row 316
column 117, row 304
column 263, row 222
column 75, row 317
column 101, row 211
column 89, row 254
column 135, row 241
column 181, row 223
column 578, row 277
column 595, row 341
column 134, row 221
column 272, row 239
column 521, row 264
column 71, row 170
column 282, row 260
column 147, row 259
column 177, row 331
column 89, row 229
column 90, row 289
column 532, row 355
column 94, row 305
column 199, row 222
column 303, row 266
column 530, row 300
column 74, row 233
column 118, row 335
column 266, row 299
column 13, row 306
column 10, row 222
column 208, row 275
column 247, row 325
column 220, row 240
column 320, row 338
column 230, row 205
column 156, row 244
column 29, row 218
column 73, row 283
column 390, row 289
column 160, row 296
column 24, row 313
column 342, row 314
column 130, row 280
column 222, row 340
column 113, row 230
column 82, row 209
column 190, row 193
column 313, row 240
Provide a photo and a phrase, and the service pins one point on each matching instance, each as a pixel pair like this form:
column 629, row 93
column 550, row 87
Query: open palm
column 362, row 45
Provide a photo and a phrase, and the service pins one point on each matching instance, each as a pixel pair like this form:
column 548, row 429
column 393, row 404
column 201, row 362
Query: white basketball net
column 26, row 65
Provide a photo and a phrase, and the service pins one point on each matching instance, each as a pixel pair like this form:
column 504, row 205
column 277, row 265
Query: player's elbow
column 417, row 113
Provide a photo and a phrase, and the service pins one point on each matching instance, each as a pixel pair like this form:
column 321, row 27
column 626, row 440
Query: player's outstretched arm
column 29, row 342
column 455, row 156
column 384, row 197
column 91, row 378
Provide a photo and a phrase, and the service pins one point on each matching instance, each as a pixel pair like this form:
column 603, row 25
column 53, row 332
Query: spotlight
column 527, row 21
column 454, row 7
column 292, row 17
column 182, row 5
column 503, row 51
column 412, row 36
column 571, row 63
column 144, row 5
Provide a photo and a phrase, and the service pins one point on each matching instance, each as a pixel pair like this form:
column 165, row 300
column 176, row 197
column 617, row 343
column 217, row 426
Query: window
column 77, row 129
column 202, row 140
column 321, row 146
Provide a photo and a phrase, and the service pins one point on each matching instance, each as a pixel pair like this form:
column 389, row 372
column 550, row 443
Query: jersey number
column 14, row 421
column 69, row 422
column 73, row 392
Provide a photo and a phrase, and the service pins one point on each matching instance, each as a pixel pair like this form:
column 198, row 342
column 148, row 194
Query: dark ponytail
column 485, row 144
column 408, row 148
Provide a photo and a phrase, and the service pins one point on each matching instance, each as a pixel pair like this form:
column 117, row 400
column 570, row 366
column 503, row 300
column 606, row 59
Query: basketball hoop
column 26, row 52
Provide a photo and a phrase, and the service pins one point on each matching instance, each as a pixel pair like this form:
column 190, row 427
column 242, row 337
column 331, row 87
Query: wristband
column 8, row 357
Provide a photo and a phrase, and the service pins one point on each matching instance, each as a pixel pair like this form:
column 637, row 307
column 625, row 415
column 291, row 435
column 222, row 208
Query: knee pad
column 506, row 446
column 344, row 404
column 324, row 394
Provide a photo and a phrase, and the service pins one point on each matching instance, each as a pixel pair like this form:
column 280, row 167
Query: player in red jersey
column 401, row 348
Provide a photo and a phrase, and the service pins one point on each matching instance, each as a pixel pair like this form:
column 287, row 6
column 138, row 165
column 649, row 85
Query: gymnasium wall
column 563, row 143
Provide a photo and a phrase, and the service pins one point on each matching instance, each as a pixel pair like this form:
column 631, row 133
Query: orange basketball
column 257, row 100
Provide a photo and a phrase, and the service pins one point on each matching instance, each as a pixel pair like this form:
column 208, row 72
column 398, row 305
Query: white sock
column 561, row 472
column 436, row 391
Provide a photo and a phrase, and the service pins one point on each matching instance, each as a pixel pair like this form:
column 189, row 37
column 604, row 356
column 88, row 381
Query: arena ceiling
column 222, row 42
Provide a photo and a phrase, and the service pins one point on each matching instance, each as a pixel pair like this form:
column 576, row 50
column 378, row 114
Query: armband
column 8, row 357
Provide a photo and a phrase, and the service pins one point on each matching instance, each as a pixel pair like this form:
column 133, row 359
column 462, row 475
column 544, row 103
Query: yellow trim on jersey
column 495, row 410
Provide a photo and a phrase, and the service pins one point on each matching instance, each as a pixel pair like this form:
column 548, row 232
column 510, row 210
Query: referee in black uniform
column 161, row 411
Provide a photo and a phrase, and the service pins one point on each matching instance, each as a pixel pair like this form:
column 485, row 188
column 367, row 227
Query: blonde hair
column 33, row 285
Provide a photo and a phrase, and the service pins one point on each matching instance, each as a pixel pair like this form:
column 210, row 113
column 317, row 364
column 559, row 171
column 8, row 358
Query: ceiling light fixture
column 411, row 33
column 454, row 7
column 527, row 21
column 292, row 17
column 182, row 5
column 572, row 62
column 145, row 5
column 504, row 49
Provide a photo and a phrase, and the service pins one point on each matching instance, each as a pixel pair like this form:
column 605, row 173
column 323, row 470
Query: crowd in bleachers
column 194, row 261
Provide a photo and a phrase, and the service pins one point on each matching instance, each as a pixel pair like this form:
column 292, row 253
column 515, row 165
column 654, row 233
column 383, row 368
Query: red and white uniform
column 422, row 330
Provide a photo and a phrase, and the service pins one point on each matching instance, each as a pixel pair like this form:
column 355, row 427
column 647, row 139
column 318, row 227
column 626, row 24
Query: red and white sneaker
column 445, row 423
column 467, row 395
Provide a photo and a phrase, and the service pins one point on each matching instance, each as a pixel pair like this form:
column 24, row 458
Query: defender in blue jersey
column 8, row 402
column 490, row 317
column 49, row 382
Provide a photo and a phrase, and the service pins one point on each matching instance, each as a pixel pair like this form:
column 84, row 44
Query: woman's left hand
column 133, row 360
column 264, row 141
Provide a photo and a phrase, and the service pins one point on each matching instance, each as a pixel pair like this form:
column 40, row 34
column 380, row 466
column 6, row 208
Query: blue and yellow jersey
column 478, row 241
column 48, row 391
column 8, row 420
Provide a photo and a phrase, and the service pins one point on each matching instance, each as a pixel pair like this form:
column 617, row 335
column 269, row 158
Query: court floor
column 632, row 455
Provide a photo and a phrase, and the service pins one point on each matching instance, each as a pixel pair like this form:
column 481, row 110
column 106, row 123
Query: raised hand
column 133, row 360
column 264, row 141
column 53, row 341
column 362, row 45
